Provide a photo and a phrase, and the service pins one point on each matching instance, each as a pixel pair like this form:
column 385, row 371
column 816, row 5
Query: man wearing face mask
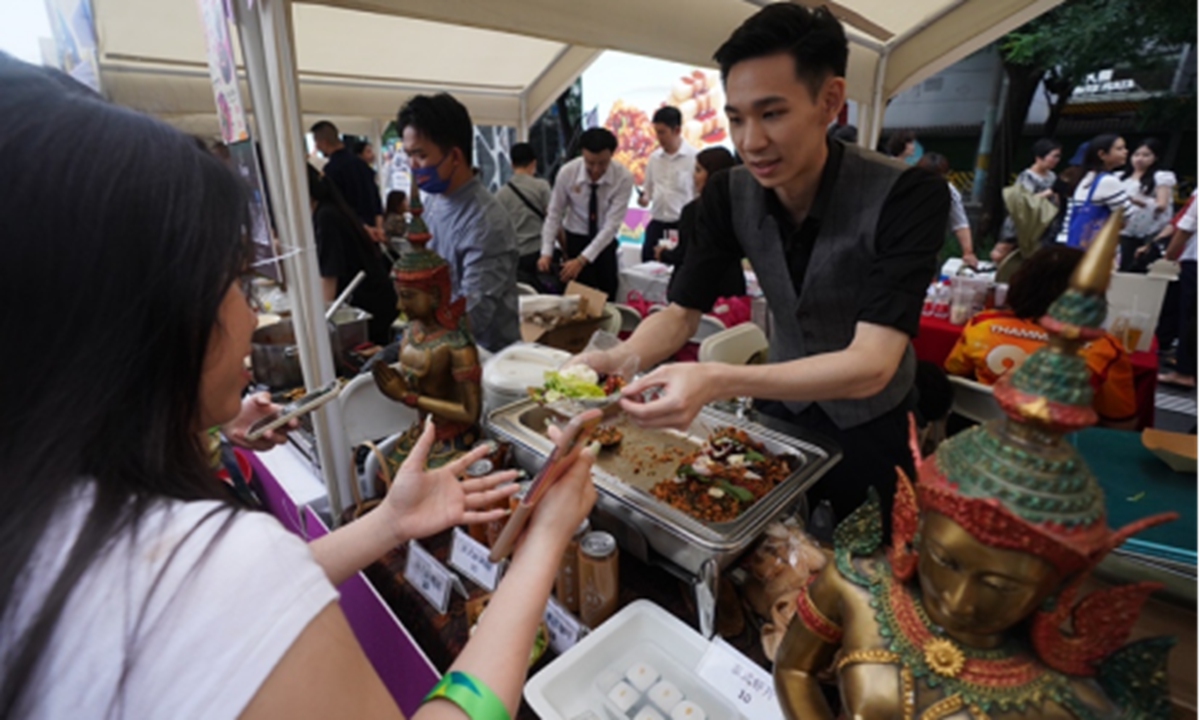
column 470, row 229
column 590, row 197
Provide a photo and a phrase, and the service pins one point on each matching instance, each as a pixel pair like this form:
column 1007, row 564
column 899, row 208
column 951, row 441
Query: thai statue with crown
column 438, row 372
column 966, row 614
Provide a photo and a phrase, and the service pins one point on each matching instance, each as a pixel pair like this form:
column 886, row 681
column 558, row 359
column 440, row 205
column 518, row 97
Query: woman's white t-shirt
column 1143, row 220
column 1110, row 191
column 1187, row 223
column 227, row 606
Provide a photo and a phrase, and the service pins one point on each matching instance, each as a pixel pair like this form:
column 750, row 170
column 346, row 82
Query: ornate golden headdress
column 1018, row 484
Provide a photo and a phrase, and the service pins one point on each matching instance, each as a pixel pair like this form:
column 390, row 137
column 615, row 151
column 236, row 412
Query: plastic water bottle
column 930, row 296
column 941, row 301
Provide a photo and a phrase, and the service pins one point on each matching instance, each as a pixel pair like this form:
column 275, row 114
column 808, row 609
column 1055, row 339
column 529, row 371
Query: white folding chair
column 709, row 326
column 526, row 289
column 974, row 400
column 630, row 318
column 368, row 415
column 743, row 344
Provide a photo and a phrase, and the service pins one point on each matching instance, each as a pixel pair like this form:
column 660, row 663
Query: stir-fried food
column 724, row 477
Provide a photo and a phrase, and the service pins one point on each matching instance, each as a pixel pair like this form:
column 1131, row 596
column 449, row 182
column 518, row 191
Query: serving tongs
column 568, row 408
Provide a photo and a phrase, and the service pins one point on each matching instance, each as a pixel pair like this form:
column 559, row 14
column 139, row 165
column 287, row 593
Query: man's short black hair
column 1044, row 147
column 326, row 131
column 522, row 154
column 814, row 38
column 669, row 116
column 1041, row 279
column 597, row 140
column 846, row 133
column 442, row 119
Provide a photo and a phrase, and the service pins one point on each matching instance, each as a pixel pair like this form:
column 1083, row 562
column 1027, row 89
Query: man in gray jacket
column 470, row 229
column 526, row 196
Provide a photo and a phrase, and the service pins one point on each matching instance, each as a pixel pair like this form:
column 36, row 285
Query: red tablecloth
column 936, row 339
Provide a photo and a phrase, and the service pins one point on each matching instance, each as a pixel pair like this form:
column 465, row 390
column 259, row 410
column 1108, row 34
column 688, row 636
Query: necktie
column 593, row 213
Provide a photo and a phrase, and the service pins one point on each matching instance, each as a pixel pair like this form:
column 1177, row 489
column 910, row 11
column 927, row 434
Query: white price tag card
column 742, row 681
column 428, row 576
column 470, row 557
column 565, row 629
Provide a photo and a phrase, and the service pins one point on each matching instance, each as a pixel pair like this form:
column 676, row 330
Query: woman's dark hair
column 1147, row 181
column 395, row 201
column 120, row 298
column 897, row 140
column 1041, row 279
column 715, row 158
column 442, row 119
column 1091, row 159
column 814, row 39
column 597, row 140
column 360, row 146
column 1044, row 147
column 935, row 162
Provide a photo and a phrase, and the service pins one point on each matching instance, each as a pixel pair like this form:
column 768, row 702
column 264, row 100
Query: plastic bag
column 1087, row 219
column 781, row 567
column 638, row 302
column 732, row 310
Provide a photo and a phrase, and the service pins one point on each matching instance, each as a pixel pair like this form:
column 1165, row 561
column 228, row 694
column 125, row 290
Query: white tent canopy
column 353, row 67
column 507, row 60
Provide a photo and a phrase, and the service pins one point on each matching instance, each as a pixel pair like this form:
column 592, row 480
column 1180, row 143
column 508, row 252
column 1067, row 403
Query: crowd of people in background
column 568, row 231
column 1044, row 208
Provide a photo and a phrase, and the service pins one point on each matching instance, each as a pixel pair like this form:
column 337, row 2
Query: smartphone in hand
column 291, row 411
column 571, row 442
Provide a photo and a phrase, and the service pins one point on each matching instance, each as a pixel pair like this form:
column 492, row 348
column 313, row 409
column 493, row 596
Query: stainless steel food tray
column 683, row 540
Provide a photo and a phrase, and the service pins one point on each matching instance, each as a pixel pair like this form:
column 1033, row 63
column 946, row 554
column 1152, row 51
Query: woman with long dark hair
column 1099, row 192
column 1150, row 187
column 709, row 161
column 130, row 585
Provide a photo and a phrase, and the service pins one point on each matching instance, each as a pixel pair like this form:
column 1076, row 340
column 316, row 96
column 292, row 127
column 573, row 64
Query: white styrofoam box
column 1129, row 292
column 571, row 685
column 628, row 255
column 508, row 374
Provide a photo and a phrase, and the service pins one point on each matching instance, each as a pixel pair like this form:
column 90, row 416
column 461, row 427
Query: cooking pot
column 352, row 326
column 275, row 359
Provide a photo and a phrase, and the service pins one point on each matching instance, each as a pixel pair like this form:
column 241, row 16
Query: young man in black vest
column 843, row 242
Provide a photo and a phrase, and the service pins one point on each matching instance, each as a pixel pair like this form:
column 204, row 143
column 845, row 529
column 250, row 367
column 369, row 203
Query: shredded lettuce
column 569, row 386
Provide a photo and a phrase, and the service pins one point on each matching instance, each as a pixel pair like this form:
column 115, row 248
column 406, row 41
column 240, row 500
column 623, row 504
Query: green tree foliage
column 1061, row 47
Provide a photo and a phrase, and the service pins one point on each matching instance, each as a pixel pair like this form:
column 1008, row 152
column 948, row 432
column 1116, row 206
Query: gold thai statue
column 974, row 610
column 438, row 372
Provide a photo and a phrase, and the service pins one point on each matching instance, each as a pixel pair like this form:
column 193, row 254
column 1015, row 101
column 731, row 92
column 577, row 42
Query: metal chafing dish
column 649, row 528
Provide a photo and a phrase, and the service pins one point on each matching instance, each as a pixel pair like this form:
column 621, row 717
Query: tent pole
column 878, row 101
column 270, row 69
column 523, row 118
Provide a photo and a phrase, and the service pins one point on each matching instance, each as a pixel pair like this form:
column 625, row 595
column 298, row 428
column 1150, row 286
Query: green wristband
column 476, row 699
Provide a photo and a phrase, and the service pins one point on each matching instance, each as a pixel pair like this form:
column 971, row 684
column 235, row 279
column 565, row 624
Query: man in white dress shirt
column 591, row 195
column 669, row 183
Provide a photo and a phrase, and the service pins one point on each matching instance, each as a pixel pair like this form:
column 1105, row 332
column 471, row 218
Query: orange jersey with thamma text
column 995, row 342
